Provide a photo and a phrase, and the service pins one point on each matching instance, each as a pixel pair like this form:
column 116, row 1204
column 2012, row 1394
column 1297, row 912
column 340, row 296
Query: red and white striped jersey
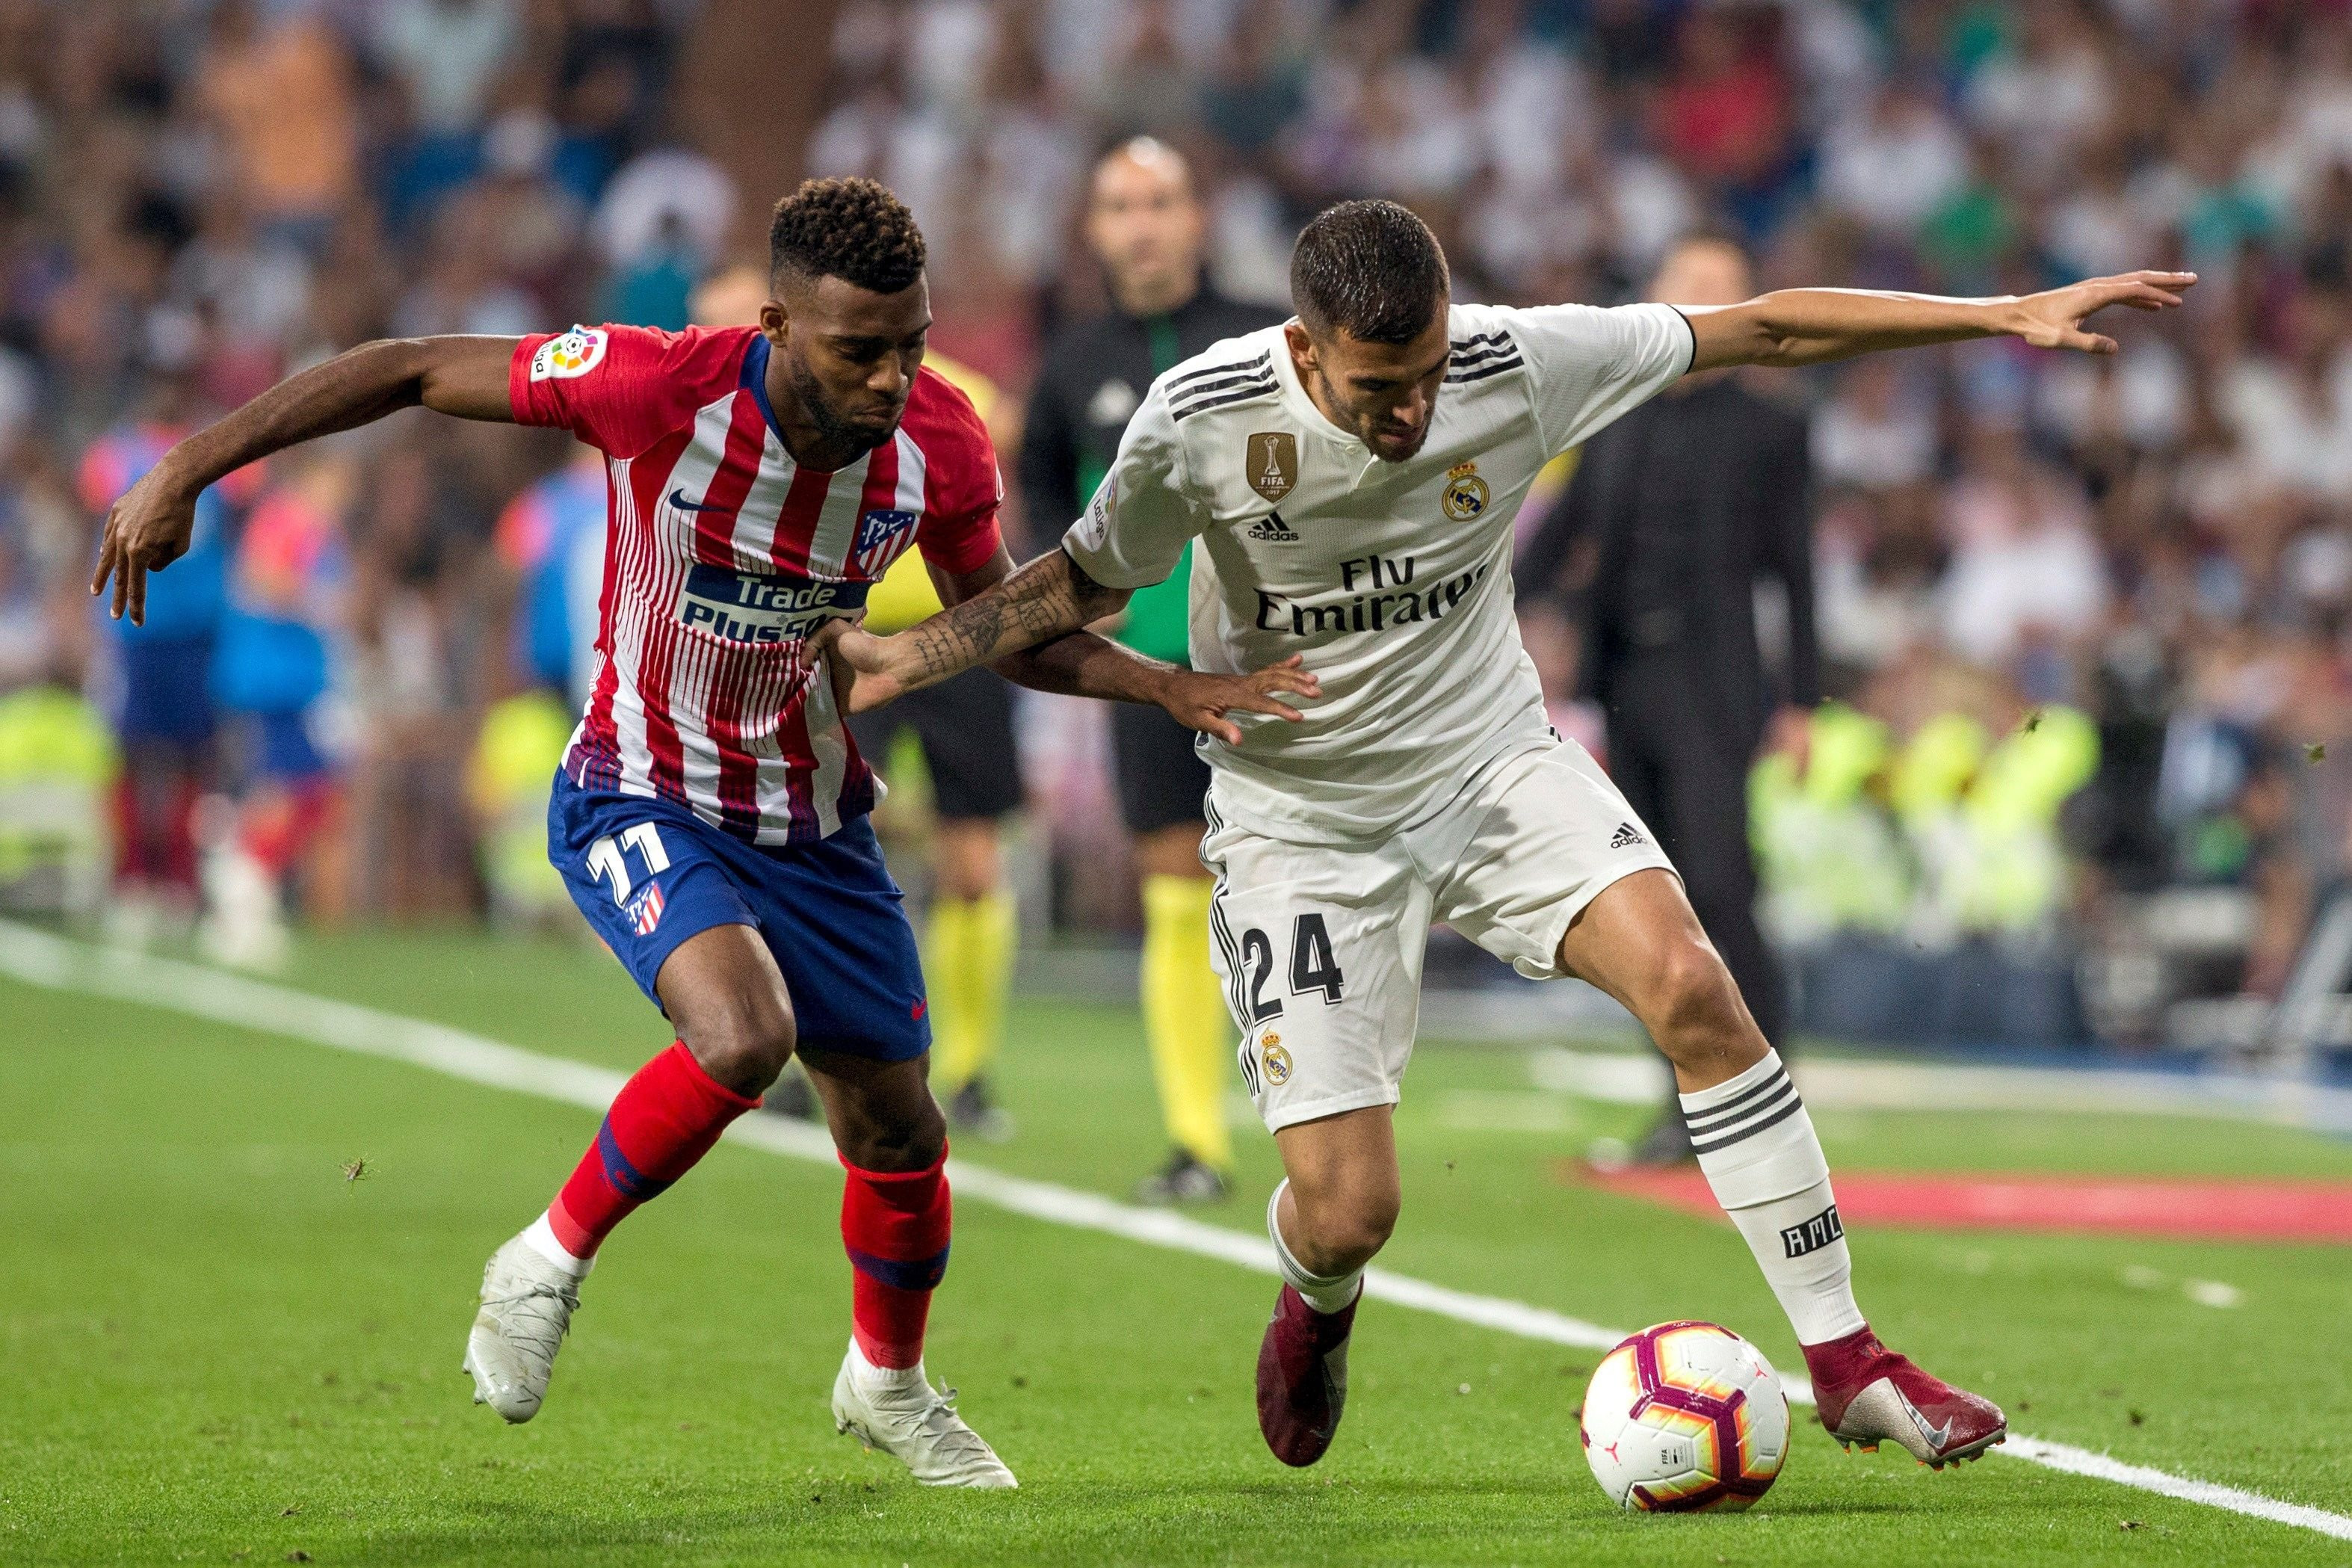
column 722, row 555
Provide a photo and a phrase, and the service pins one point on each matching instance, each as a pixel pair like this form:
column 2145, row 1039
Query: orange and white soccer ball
column 1685, row 1416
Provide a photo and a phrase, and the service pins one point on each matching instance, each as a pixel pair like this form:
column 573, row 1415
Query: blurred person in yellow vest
column 963, row 731
column 1981, row 818
column 57, row 767
column 517, row 752
column 549, row 546
column 1144, row 223
column 1826, row 849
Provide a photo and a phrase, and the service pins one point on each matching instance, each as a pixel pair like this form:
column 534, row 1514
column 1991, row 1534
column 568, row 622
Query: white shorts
column 1319, row 946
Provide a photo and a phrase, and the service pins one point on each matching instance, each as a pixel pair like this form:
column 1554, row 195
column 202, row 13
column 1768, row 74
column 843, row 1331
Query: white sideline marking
column 37, row 958
column 2106, row 1468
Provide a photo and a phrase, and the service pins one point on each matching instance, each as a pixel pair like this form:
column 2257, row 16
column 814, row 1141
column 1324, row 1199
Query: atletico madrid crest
column 882, row 535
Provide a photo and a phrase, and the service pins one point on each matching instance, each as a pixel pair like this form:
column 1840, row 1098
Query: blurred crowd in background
column 2088, row 623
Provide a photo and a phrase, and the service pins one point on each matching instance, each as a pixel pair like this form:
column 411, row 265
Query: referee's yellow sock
column 1184, row 1016
column 970, row 948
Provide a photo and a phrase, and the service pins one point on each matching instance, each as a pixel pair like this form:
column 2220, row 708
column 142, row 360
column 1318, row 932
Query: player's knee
column 967, row 862
column 1346, row 1230
column 743, row 1045
column 902, row 1139
column 1693, row 1007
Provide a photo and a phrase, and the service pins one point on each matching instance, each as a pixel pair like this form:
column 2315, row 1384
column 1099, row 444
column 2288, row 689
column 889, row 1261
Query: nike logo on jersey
column 677, row 499
column 1273, row 529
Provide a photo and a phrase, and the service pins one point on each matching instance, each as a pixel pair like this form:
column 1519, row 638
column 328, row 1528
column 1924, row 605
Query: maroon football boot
column 1302, row 1377
column 1867, row 1395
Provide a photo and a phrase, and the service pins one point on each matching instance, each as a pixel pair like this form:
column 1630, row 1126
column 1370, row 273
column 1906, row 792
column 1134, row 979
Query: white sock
column 1324, row 1293
column 884, row 1381
column 539, row 1236
column 1764, row 1161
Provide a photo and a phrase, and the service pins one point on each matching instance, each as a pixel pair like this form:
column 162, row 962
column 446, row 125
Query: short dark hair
column 852, row 229
column 1369, row 269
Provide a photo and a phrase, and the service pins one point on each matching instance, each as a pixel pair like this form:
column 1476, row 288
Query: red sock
column 662, row 1121
column 895, row 1226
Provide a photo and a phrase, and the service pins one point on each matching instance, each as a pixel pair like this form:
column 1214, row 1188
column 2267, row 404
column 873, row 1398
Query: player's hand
column 146, row 531
column 1200, row 701
column 859, row 664
column 2054, row 320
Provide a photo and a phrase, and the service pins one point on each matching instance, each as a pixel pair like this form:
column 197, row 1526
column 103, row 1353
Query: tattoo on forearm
column 1044, row 599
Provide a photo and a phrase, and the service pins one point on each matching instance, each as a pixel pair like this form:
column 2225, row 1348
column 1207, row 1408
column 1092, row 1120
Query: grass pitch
column 217, row 1345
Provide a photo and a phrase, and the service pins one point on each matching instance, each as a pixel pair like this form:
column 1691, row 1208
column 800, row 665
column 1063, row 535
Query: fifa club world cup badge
column 1466, row 492
column 1272, row 463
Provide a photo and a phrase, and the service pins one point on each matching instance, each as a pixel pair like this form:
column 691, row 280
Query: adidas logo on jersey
column 1626, row 836
column 1273, row 529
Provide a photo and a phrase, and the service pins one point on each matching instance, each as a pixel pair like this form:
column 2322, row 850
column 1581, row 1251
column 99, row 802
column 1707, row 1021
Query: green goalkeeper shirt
column 1092, row 376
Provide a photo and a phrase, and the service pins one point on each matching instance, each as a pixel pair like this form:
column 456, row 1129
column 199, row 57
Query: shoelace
column 951, row 1441
column 537, row 1331
column 955, row 1440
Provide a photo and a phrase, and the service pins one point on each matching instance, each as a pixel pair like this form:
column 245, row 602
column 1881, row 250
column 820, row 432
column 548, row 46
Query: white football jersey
column 1392, row 579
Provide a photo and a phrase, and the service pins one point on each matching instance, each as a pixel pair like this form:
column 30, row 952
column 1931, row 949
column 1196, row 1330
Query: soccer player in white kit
column 1351, row 477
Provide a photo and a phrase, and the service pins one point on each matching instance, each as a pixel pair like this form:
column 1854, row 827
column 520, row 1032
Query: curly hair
column 852, row 229
column 1369, row 269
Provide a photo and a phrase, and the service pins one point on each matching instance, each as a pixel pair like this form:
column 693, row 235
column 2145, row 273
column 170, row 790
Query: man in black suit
column 1684, row 505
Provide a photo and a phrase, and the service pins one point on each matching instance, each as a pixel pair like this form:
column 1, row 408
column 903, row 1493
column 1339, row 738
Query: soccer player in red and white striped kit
column 709, row 815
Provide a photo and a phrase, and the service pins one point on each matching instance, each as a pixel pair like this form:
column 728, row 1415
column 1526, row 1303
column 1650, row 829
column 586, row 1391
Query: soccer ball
column 1685, row 1416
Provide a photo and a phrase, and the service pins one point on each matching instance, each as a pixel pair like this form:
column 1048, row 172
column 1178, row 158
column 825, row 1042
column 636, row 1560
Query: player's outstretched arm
column 1080, row 664
column 1031, row 625
column 1809, row 326
column 148, row 528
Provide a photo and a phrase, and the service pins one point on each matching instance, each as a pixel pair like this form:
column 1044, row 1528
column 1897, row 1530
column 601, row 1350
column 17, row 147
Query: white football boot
column 527, row 1305
column 918, row 1426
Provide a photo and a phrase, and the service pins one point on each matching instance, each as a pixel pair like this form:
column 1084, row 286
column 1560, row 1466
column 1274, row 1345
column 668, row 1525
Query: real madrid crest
column 1466, row 492
column 1276, row 1059
column 1271, row 462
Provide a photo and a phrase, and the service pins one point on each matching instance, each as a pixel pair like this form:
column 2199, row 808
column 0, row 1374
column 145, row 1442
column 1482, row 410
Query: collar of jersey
column 754, row 380
column 1318, row 424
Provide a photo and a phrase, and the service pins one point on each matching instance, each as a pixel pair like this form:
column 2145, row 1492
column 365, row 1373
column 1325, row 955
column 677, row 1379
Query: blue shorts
column 282, row 749
column 165, row 693
column 649, row 874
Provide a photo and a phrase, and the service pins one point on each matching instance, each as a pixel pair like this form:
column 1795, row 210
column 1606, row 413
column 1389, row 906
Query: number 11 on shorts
column 607, row 864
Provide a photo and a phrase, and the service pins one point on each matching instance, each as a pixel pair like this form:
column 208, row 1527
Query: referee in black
column 1144, row 223
column 1684, row 506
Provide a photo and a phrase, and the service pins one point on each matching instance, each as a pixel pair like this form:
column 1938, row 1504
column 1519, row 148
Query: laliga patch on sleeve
column 567, row 354
column 1094, row 524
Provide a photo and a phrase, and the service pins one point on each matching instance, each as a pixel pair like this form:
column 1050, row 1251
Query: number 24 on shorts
column 1314, row 967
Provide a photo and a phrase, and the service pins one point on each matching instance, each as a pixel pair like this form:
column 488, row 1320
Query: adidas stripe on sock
column 1757, row 1146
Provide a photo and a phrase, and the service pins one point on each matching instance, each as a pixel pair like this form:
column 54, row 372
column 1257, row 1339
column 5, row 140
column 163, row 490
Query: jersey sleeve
column 620, row 389
column 1589, row 366
column 960, row 531
column 1142, row 515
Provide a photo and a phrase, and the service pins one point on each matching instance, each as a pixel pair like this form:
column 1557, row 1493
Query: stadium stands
column 2091, row 621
